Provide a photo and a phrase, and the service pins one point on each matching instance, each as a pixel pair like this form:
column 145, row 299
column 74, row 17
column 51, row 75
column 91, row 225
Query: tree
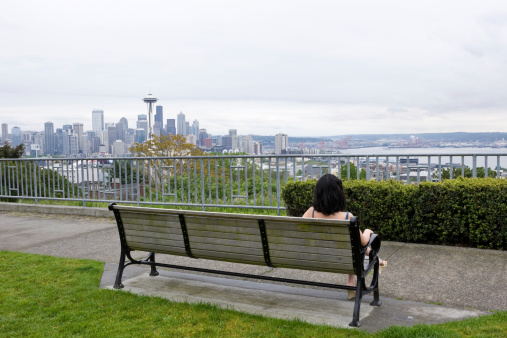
column 7, row 151
column 353, row 173
column 166, row 146
column 157, row 171
column 468, row 173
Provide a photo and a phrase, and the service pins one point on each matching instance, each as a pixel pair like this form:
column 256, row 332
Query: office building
column 171, row 127
column 233, row 132
column 121, row 129
column 142, row 123
column 49, row 139
column 248, row 144
column 227, row 142
column 281, row 143
column 257, row 148
column 5, row 131
column 16, row 136
column 111, row 137
column 182, row 127
column 159, row 115
column 195, row 127
column 77, row 128
column 98, row 122
column 119, row 148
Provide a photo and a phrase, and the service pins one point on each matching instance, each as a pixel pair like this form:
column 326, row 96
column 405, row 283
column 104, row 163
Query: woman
column 329, row 202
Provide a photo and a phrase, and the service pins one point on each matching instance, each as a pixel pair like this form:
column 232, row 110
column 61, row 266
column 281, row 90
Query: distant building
column 49, row 138
column 195, row 128
column 16, row 136
column 119, row 148
column 257, row 148
column 98, row 122
column 5, row 131
column 281, row 143
column 171, row 127
column 77, row 127
column 159, row 115
column 248, row 144
column 182, row 127
column 233, row 132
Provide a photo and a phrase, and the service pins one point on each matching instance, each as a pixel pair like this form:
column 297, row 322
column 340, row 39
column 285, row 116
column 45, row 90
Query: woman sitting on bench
column 329, row 202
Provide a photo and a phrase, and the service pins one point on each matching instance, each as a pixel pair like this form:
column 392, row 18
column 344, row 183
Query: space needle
column 150, row 100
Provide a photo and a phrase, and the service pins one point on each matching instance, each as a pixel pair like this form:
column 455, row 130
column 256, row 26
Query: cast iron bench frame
column 142, row 219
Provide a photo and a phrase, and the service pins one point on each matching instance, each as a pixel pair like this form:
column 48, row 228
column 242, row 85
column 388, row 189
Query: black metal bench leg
column 119, row 273
column 376, row 297
column 154, row 271
column 355, row 318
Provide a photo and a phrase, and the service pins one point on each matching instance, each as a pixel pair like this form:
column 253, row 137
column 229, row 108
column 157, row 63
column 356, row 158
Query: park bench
column 275, row 241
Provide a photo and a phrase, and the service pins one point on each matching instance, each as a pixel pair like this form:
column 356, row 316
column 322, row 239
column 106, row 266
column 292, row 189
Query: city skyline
column 305, row 69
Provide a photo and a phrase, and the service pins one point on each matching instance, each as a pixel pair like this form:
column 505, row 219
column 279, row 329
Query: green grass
column 47, row 296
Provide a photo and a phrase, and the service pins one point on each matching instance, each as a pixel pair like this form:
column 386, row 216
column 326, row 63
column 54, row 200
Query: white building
column 281, row 143
column 98, row 122
column 119, row 148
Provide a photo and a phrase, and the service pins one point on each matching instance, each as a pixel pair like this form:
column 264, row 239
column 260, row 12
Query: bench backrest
column 290, row 242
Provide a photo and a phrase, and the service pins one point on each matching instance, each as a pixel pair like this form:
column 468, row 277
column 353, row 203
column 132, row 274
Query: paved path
column 466, row 282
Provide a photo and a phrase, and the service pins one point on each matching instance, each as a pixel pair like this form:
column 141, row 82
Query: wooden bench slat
column 315, row 249
column 222, row 228
column 161, row 235
column 224, row 242
column 151, row 240
column 153, row 223
column 168, row 217
column 225, row 235
column 158, row 248
column 233, row 222
column 301, row 256
column 307, row 235
column 228, row 249
column 149, row 228
column 304, row 227
column 282, row 262
column 230, row 257
column 309, row 242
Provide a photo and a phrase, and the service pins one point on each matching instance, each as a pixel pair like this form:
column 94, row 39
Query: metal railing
column 253, row 182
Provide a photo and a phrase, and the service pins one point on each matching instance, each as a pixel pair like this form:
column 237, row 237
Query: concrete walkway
column 422, row 283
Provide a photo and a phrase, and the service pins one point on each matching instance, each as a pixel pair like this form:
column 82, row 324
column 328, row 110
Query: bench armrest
column 374, row 245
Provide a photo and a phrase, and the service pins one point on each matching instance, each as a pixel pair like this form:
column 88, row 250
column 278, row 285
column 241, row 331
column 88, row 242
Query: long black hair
column 329, row 197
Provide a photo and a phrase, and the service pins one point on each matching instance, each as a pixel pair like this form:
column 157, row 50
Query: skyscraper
column 159, row 115
column 281, row 143
column 142, row 123
column 182, row 127
column 195, row 126
column 49, row 138
column 171, row 126
column 77, row 128
column 16, row 136
column 98, row 122
column 5, row 131
column 121, row 129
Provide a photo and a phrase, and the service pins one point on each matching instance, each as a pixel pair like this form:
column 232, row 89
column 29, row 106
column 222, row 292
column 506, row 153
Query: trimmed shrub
column 471, row 212
column 298, row 197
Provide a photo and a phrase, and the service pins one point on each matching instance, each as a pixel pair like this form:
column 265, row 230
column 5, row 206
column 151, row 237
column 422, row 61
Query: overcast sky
column 306, row 68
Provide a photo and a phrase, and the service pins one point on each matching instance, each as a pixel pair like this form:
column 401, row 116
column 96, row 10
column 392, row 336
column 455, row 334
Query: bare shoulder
column 308, row 213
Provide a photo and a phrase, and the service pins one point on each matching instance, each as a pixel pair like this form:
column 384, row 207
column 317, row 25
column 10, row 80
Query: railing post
column 278, row 185
column 474, row 170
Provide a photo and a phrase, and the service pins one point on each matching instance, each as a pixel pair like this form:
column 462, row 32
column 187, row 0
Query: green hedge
column 469, row 212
